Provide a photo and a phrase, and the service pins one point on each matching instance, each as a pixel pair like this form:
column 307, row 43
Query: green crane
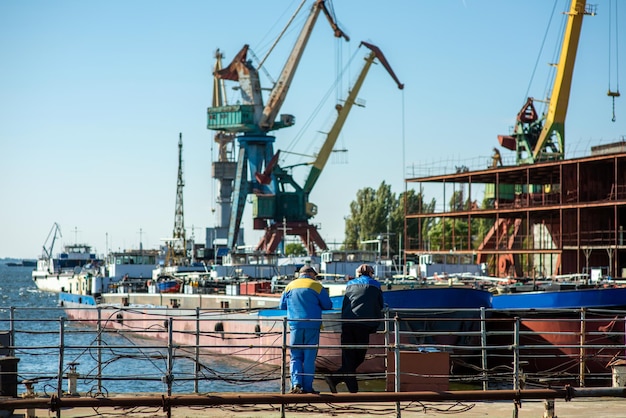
column 287, row 212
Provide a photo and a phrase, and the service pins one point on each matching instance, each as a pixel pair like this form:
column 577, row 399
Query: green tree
column 377, row 214
column 483, row 225
column 449, row 234
column 370, row 215
column 296, row 249
column 415, row 204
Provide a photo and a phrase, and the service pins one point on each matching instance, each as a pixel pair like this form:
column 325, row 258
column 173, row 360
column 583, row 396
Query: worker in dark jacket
column 362, row 303
column 304, row 299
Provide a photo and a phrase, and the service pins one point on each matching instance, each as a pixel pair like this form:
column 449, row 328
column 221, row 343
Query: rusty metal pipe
column 54, row 403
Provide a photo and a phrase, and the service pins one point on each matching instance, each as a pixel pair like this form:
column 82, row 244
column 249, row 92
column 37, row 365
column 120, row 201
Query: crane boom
column 55, row 233
column 559, row 100
column 331, row 139
column 279, row 92
column 219, row 90
column 543, row 138
column 252, row 116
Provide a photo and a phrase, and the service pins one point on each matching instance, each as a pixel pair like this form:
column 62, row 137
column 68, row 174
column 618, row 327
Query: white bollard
column 30, row 393
column 618, row 371
column 548, row 405
column 72, row 378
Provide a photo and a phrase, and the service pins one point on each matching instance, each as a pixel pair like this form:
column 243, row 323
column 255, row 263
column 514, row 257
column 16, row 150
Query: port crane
column 536, row 139
column 287, row 212
column 55, row 232
column 251, row 120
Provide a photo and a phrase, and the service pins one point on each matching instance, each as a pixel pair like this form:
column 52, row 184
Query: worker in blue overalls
column 304, row 299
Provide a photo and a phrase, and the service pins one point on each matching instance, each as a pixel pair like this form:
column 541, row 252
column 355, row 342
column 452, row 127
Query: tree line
column 379, row 216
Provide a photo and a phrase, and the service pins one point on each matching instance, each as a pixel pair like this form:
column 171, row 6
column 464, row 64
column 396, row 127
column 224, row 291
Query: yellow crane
column 537, row 138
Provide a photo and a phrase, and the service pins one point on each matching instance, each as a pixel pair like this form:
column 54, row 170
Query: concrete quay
column 577, row 408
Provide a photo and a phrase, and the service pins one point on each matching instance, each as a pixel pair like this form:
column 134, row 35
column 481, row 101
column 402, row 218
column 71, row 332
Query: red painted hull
column 246, row 336
column 551, row 345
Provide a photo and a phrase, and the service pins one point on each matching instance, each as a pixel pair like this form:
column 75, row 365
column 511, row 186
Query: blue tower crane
column 252, row 120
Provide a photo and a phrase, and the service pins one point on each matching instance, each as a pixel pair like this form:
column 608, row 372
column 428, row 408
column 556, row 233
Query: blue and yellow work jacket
column 305, row 298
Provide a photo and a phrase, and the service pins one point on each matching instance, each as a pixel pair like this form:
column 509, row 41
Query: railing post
column 170, row 356
column 396, row 330
column 387, row 343
column 196, row 388
column 12, row 331
column 61, row 352
column 516, row 362
column 283, row 366
column 581, row 355
column 516, row 365
column 483, row 346
column 99, row 339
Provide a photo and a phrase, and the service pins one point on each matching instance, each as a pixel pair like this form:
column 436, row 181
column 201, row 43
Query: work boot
column 352, row 384
column 332, row 385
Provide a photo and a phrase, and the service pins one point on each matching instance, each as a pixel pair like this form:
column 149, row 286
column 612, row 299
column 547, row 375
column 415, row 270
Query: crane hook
column 613, row 95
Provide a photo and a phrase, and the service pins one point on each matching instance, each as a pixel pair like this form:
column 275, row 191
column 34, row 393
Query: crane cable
column 541, row 49
column 278, row 38
column 300, row 134
column 613, row 94
column 340, row 75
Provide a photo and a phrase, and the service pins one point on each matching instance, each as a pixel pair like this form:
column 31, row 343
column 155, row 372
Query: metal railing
column 486, row 348
column 152, row 350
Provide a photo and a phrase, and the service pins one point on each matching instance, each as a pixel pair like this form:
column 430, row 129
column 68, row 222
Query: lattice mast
column 177, row 254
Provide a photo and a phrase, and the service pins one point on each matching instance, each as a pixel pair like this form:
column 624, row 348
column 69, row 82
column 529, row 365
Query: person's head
column 365, row 270
column 307, row 271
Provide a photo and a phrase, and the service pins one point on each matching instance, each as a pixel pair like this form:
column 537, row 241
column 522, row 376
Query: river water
column 127, row 365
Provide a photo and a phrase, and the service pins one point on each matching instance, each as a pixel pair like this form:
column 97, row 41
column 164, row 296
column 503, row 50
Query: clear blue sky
column 93, row 95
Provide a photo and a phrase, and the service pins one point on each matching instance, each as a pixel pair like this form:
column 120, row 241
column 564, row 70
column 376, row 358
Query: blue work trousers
column 302, row 365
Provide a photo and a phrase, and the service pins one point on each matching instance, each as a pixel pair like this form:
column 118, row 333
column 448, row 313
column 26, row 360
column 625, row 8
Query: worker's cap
column 365, row 270
column 308, row 270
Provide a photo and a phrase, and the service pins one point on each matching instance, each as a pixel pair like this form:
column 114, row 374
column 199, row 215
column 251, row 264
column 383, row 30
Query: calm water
column 128, row 365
